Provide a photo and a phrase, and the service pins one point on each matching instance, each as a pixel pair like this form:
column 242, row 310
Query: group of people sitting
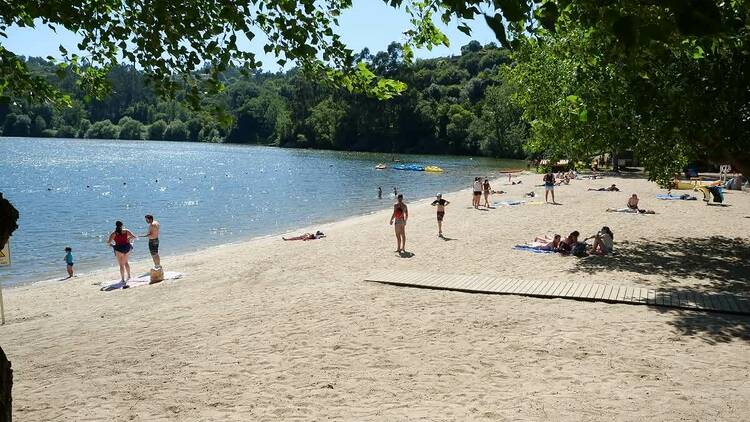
column 572, row 245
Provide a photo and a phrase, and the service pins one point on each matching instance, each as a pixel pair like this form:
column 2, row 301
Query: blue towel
column 533, row 249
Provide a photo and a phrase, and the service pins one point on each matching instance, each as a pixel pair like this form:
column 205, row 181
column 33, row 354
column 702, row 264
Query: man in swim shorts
column 153, row 239
column 440, row 203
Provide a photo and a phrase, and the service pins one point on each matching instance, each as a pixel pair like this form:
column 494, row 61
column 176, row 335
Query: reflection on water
column 70, row 192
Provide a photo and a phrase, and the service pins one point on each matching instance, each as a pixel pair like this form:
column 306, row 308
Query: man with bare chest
column 153, row 238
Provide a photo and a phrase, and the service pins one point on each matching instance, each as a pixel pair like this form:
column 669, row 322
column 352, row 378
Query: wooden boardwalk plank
column 685, row 299
column 544, row 288
column 503, row 287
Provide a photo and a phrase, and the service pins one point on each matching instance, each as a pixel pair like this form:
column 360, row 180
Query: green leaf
column 496, row 25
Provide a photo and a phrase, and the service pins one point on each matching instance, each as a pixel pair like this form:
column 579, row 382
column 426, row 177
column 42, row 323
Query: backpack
column 579, row 250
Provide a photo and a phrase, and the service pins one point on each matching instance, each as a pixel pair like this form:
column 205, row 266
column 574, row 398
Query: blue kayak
column 409, row 167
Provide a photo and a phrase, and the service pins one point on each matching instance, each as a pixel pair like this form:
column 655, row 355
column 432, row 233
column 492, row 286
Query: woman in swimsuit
column 119, row 240
column 477, row 188
column 398, row 221
column 487, row 188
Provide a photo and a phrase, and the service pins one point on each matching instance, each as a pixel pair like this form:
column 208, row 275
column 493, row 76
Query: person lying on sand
column 603, row 242
column 307, row 236
column 612, row 188
column 546, row 243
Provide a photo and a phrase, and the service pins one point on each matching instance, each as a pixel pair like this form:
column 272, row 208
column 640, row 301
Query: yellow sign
column 5, row 254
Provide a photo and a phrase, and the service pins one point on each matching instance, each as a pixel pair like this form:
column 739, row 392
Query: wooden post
column 6, row 385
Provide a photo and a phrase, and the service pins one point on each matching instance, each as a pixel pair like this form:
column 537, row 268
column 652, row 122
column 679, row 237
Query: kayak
column 433, row 169
column 380, row 166
column 408, row 167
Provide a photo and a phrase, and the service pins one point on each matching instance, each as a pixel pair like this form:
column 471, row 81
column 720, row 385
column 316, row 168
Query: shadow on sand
column 721, row 263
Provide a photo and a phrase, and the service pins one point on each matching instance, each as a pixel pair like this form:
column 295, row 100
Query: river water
column 70, row 192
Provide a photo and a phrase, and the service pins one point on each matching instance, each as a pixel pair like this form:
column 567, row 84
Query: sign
column 5, row 254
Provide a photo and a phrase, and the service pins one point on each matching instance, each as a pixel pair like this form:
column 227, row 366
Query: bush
column 176, row 131
column 17, row 125
column 66, row 131
column 130, row 128
column 103, row 130
column 49, row 133
column 156, row 130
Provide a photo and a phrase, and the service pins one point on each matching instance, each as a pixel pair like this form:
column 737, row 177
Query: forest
column 452, row 105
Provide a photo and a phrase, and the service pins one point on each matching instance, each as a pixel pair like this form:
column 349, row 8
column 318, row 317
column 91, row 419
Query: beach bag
column 157, row 275
column 579, row 249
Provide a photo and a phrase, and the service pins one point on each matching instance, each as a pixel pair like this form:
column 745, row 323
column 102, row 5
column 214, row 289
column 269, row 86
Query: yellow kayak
column 433, row 169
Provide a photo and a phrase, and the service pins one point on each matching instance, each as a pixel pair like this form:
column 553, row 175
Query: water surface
column 70, row 192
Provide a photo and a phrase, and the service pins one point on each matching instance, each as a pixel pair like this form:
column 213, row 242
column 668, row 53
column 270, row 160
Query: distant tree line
column 453, row 105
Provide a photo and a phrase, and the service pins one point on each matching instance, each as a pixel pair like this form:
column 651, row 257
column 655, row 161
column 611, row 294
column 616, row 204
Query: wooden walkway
column 634, row 295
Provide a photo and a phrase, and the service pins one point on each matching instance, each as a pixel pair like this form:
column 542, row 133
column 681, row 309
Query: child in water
column 69, row 260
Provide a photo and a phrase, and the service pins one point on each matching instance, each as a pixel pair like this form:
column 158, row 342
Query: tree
column 156, row 130
column 66, row 131
column 102, row 130
column 173, row 38
column 176, row 131
column 130, row 128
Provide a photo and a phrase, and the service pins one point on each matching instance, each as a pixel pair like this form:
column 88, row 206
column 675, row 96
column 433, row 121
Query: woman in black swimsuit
column 119, row 240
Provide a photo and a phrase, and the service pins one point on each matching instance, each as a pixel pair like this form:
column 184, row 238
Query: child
column 69, row 260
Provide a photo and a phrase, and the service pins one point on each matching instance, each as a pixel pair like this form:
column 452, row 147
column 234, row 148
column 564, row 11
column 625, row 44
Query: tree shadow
column 722, row 264
column 712, row 328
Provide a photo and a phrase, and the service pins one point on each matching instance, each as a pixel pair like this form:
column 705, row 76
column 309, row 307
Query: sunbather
column 307, row 236
column 612, row 188
column 632, row 207
column 546, row 243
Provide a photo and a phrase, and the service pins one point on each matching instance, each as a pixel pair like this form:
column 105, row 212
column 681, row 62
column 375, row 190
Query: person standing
column 69, row 261
column 477, row 188
column 549, row 186
column 153, row 239
column 119, row 240
column 398, row 221
column 440, row 203
column 380, row 192
column 487, row 189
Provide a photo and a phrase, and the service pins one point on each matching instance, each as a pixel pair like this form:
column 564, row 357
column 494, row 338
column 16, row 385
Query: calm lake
column 70, row 192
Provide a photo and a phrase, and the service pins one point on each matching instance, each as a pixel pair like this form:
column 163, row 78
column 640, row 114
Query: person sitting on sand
column 632, row 207
column 603, row 242
column 566, row 246
column 612, row 188
column 307, row 236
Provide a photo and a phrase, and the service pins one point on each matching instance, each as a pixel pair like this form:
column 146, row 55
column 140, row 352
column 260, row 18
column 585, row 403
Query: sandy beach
column 272, row 330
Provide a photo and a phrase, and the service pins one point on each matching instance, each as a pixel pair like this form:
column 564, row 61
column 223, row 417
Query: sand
column 273, row 330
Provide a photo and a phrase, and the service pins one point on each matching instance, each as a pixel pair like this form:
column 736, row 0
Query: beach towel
column 534, row 249
column 683, row 197
column 509, row 202
column 140, row 281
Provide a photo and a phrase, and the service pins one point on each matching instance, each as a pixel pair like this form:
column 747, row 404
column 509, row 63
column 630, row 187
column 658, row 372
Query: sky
column 369, row 23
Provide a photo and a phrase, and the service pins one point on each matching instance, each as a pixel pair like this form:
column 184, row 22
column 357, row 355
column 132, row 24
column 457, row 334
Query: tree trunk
column 615, row 162
column 6, row 384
